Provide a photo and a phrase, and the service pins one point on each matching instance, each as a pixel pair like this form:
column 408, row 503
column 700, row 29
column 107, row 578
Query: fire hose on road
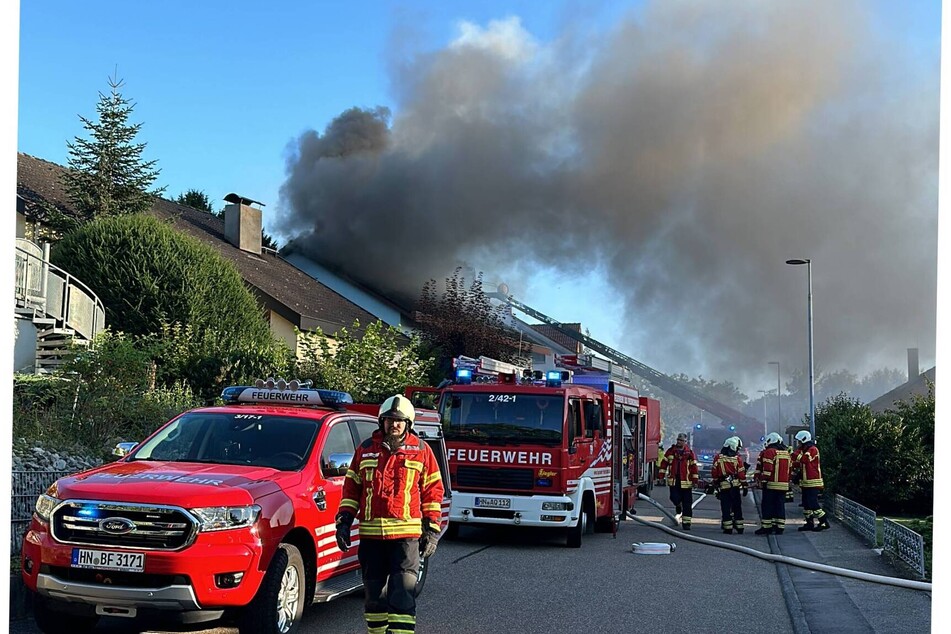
column 844, row 572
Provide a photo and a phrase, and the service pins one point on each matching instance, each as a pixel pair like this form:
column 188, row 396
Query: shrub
column 371, row 368
column 146, row 273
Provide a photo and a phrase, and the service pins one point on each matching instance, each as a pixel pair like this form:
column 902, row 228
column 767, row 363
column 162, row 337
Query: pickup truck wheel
column 279, row 604
column 421, row 576
column 54, row 622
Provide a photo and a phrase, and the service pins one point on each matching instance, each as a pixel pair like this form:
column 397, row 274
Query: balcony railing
column 50, row 291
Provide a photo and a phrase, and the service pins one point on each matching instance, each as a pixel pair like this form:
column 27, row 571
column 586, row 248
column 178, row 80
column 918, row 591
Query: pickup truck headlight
column 45, row 505
column 222, row 518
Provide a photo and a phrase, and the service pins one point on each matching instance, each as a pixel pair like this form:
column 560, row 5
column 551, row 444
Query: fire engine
column 561, row 449
column 223, row 510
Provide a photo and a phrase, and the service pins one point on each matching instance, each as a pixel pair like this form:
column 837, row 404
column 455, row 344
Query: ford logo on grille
column 116, row 526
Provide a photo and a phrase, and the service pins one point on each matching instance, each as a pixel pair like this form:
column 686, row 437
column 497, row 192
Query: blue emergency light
column 762, row 438
column 732, row 427
column 553, row 378
column 463, row 376
column 698, row 426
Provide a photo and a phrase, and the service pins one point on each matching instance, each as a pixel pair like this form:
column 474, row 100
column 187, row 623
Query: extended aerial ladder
column 724, row 412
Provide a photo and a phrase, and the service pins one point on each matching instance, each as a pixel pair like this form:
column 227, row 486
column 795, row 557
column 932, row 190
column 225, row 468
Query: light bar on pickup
column 305, row 397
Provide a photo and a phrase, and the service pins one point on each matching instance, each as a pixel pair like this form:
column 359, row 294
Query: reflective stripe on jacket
column 776, row 465
column 806, row 458
column 391, row 493
column 728, row 471
column 682, row 465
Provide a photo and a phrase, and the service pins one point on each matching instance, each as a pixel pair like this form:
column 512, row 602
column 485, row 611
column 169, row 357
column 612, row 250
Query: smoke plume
column 687, row 151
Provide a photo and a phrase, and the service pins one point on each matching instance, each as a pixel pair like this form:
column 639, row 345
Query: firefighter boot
column 763, row 530
column 808, row 526
column 738, row 528
column 823, row 524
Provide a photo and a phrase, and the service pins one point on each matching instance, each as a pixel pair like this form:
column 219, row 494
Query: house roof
column 280, row 285
column 904, row 392
column 559, row 337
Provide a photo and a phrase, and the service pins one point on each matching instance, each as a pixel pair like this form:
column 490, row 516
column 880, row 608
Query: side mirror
column 338, row 463
column 123, row 448
column 572, row 448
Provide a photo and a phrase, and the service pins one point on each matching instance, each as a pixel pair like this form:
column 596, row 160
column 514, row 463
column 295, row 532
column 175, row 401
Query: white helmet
column 739, row 442
column 773, row 438
column 731, row 443
column 803, row 436
column 399, row 408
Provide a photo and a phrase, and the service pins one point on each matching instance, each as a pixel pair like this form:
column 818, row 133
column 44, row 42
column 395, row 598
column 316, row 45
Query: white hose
column 844, row 572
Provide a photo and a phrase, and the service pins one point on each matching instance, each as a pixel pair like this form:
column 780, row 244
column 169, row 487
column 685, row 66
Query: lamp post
column 779, row 398
column 812, row 387
column 765, row 431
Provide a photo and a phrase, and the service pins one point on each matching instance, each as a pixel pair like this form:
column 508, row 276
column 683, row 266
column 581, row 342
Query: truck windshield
column 233, row 438
column 486, row 417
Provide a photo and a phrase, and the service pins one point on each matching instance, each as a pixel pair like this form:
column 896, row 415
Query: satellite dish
column 504, row 289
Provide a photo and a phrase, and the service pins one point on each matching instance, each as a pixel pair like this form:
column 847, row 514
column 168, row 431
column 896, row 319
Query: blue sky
column 224, row 87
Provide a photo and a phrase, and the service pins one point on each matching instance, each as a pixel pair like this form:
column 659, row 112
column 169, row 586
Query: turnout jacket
column 728, row 470
column 680, row 464
column 391, row 492
column 773, row 467
column 806, row 458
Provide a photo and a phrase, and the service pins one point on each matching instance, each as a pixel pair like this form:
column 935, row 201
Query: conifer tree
column 108, row 176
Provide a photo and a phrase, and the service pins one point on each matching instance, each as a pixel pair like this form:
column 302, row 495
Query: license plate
column 108, row 560
column 493, row 503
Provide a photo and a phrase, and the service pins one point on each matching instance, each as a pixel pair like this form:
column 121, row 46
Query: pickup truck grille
column 488, row 478
column 123, row 525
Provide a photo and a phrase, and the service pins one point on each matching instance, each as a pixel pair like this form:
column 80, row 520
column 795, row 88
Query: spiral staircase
column 52, row 308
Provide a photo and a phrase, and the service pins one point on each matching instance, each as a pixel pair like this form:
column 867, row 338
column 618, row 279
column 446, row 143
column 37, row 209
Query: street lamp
column 764, row 393
column 779, row 398
column 812, row 387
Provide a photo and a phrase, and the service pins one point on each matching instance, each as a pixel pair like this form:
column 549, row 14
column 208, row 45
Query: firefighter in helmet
column 659, row 480
column 773, row 468
column 679, row 467
column 394, row 488
column 729, row 476
column 805, row 460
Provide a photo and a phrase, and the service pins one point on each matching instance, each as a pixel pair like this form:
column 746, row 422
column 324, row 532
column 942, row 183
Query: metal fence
column 905, row 544
column 855, row 516
column 27, row 486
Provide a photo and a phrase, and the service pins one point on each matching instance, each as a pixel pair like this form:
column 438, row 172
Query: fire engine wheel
column 584, row 525
column 452, row 531
column 279, row 604
column 52, row 621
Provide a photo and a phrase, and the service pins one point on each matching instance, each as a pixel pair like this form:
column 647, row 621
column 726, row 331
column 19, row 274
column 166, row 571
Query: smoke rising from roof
column 689, row 151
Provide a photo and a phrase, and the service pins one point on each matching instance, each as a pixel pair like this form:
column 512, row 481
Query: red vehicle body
column 552, row 453
column 189, row 524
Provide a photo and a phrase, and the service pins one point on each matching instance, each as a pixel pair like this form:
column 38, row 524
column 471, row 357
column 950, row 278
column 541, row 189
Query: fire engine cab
column 223, row 510
column 559, row 449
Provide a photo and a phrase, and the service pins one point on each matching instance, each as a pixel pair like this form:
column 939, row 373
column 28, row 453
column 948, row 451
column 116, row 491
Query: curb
column 793, row 605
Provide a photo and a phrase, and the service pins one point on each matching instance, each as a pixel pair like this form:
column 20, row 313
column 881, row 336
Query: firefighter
column 679, row 466
column 658, row 478
column 772, row 471
column 805, row 460
column 729, row 476
column 394, row 488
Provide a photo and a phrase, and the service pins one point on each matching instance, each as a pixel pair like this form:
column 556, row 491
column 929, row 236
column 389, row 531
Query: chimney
column 243, row 223
column 913, row 370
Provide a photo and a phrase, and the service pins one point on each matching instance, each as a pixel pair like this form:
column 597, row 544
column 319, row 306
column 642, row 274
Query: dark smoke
column 689, row 152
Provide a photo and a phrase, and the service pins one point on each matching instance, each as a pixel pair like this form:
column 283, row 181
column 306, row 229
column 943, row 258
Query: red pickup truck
column 224, row 511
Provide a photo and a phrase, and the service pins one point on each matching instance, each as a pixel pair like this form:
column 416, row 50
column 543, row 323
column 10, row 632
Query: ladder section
column 661, row 380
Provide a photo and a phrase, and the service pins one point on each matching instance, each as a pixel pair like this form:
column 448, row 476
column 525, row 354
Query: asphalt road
column 526, row 580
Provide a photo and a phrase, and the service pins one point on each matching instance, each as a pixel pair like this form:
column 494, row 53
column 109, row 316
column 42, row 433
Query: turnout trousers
column 810, row 504
column 731, row 509
column 683, row 500
column 390, row 568
column 774, row 509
